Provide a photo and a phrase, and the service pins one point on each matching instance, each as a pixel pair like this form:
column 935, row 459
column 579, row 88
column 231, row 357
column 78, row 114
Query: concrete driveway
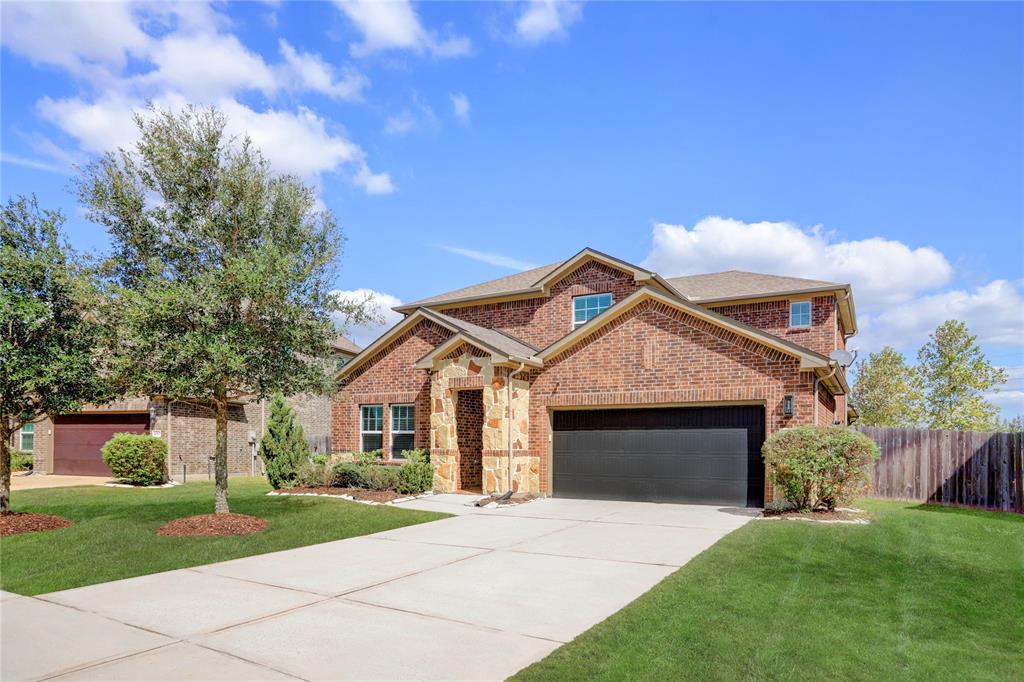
column 32, row 481
column 478, row 596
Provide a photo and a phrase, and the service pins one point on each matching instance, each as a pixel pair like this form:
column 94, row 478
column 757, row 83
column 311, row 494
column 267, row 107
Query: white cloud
column 312, row 73
column 460, row 106
column 881, row 271
column 400, row 123
column 543, row 20
column 364, row 335
column 296, row 142
column 87, row 39
column 490, row 258
column 35, row 164
column 994, row 312
column 190, row 58
column 394, row 25
column 206, row 66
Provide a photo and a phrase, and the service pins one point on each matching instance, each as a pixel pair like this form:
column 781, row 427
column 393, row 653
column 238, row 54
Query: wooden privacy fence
column 959, row 468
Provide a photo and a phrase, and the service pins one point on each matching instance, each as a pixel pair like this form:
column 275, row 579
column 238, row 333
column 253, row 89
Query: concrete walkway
column 478, row 597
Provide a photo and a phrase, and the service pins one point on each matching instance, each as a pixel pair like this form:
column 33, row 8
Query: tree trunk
column 5, row 466
column 220, row 456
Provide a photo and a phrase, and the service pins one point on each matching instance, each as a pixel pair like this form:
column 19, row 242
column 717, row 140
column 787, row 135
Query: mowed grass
column 923, row 593
column 114, row 532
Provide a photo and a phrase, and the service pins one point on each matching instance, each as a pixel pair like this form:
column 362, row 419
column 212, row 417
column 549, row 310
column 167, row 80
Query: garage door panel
column 78, row 440
column 670, row 454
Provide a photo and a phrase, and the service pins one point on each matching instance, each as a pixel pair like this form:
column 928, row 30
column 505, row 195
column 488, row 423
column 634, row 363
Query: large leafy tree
column 956, row 375
column 49, row 344
column 221, row 270
column 887, row 391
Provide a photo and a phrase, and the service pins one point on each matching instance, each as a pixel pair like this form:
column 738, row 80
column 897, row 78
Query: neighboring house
column 624, row 384
column 71, row 443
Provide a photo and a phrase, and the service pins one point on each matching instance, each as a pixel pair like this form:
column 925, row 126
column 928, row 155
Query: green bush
column 818, row 467
column 137, row 458
column 415, row 476
column 314, row 473
column 371, row 457
column 283, row 447
column 349, row 475
column 417, row 455
column 380, row 477
column 21, row 461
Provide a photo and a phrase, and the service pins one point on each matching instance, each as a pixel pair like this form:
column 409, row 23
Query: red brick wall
column 387, row 378
column 192, row 438
column 469, row 424
column 543, row 320
column 658, row 355
column 773, row 316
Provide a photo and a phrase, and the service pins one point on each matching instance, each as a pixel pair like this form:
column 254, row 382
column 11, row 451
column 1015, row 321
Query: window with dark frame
column 371, row 427
column 403, row 429
column 585, row 308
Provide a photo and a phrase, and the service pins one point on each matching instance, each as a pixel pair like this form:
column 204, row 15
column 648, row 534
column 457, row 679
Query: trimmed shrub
column 818, row 467
column 21, row 461
column 137, row 458
column 283, row 447
column 349, row 475
column 371, row 457
column 417, row 473
column 315, row 473
column 380, row 477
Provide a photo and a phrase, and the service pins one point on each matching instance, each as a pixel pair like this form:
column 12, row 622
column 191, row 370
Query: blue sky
column 880, row 144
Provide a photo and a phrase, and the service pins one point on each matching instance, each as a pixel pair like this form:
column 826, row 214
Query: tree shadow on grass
column 993, row 515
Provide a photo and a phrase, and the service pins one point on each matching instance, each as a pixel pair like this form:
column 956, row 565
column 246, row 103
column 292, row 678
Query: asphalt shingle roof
column 492, row 337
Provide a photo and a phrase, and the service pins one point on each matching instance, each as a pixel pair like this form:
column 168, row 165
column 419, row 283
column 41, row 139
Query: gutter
column 818, row 380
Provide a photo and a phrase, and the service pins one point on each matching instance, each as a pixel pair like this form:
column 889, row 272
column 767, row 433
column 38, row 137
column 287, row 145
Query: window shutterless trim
column 810, row 315
column 593, row 305
column 30, row 431
column 410, row 420
column 367, row 419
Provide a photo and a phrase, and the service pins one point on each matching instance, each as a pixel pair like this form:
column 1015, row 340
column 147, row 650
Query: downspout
column 818, row 380
column 508, row 388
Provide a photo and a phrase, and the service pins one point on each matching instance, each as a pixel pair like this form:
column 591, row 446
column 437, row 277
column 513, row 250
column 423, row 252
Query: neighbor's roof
column 739, row 284
column 345, row 345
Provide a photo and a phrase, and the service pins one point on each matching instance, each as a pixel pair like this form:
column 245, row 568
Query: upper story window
column 586, row 307
column 371, row 427
column 28, row 438
column 800, row 314
column 340, row 361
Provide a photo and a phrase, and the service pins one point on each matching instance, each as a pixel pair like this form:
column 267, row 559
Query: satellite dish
column 844, row 358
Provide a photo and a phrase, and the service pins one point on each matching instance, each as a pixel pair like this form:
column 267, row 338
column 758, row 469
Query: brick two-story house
column 598, row 378
column 71, row 443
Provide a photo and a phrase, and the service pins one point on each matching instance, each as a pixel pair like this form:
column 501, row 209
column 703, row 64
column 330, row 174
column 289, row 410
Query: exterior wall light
column 787, row 406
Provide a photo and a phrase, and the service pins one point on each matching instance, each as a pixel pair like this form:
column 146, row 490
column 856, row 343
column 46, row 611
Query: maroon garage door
column 78, row 438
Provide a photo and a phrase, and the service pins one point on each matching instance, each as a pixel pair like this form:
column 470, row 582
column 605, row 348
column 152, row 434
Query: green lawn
column 923, row 593
column 114, row 533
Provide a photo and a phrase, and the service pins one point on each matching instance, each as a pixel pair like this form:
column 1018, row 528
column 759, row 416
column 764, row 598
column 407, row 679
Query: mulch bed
column 839, row 515
column 355, row 493
column 213, row 525
column 15, row 523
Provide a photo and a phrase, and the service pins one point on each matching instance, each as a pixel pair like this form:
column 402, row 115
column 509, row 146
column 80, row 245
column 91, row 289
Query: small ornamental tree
column 221, row 272
column 956, row 377
column 887, row 391
column 818, row 467
column 283, row 447
column 49, row 337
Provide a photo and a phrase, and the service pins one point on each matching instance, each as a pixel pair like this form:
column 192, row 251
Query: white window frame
column 362, row 424
column 579, row 323
column 401, row 432
column 810, row 314
column 30, row 428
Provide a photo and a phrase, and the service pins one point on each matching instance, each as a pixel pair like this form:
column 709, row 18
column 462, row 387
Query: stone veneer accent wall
column 468, row 368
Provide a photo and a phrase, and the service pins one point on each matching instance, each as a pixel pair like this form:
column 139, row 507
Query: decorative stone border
column 169, row 484
column 275, row 493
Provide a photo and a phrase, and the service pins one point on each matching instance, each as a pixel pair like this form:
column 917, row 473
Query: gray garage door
column 706, row 455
